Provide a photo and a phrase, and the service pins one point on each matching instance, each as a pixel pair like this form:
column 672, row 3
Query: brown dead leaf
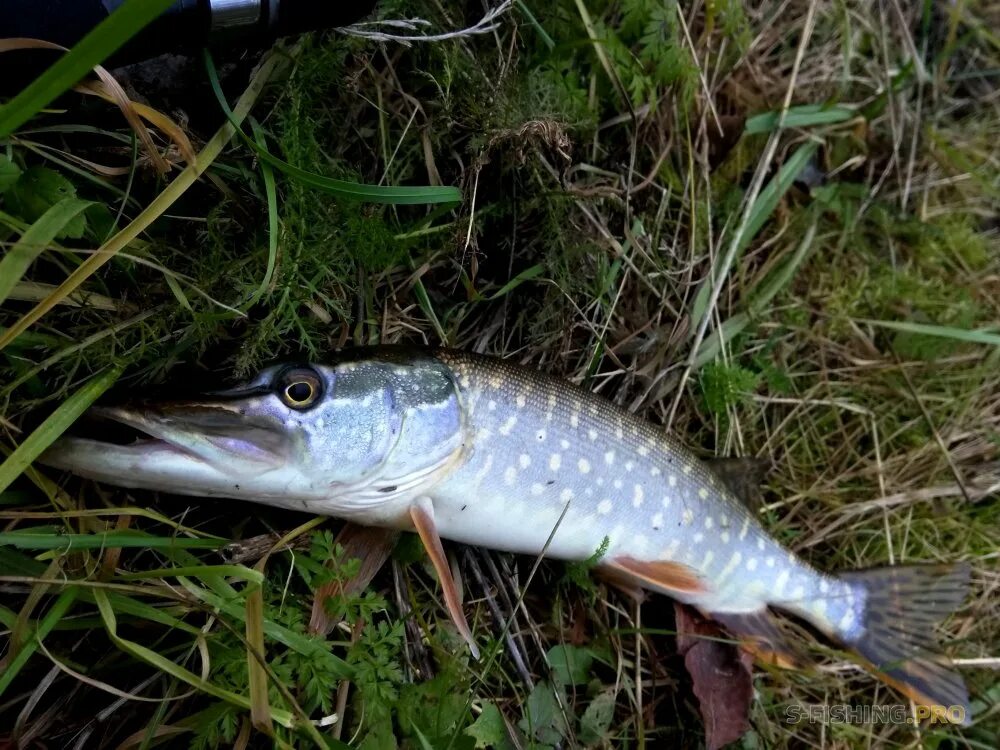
column 721, row 675
column 372, row 546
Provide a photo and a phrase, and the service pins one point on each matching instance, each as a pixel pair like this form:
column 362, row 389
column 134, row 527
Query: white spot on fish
column 819, row 607
column 618, row 484
column 769, row 562
column 658, row 521
column 487, row 465
column 521, row 401
column 592, row 434
column 555, row 460
column 537, row 489
column 847, row 621
column 637, row 495
column 629, row 466
column 564, row 444
column 734, row 560
column 665, row 502
column 708, row 522
column 618, row 431
column 566, row 495
column 510, row 475
column 574, row 420
column 583, row 465
column 688, row 468
column 672, row 480
column 703, row 493
column 464, row 381
column 643, row 451
column 655, row 471
column 744, row 528
column 687, row 516
column 609, row 458
column 799, row 593
column 824, row 585
column 709, row 556
column 600, row 481
column 507, row 426
column 724, row 537
column 760, row 543
column 604, row 507
column 779, row 585
column 698, row 538
column 524, row 460
column 670, row 550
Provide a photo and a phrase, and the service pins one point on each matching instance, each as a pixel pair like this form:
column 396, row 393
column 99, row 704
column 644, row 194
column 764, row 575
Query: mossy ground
column 604, row 151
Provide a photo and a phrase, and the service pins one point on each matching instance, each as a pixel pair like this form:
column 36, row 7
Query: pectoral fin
column 422, row 515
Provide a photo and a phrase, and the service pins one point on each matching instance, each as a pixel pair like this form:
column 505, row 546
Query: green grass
column 610, row 207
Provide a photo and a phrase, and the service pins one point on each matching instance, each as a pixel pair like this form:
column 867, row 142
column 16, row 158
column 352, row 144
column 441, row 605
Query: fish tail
column 895, row 632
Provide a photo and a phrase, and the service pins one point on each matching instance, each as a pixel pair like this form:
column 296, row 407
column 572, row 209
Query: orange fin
column 368, row 544
column 760, row 635
column 422, row 515
column 661, row 575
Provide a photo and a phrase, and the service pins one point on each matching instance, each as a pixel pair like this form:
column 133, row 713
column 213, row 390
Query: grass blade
column 757, row 300
column 38, row 540
column 271, row 193
column 174, row 670
column 760, row 212
column 350, row 190
column 51, row 619
column 802, row 116
column 99, row 44
column 981, row 336
column 19, row 258
column 54, row 426
column 153, row 211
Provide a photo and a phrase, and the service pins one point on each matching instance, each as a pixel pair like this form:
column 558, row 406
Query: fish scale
column 473, row 449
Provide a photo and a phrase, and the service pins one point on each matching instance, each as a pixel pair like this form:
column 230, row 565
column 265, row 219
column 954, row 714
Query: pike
column 472, row 449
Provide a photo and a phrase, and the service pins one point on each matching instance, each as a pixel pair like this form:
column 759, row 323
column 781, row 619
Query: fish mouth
column 185, row 448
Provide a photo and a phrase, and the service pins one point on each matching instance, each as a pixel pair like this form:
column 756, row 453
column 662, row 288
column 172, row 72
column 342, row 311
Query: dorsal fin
column 742, row 475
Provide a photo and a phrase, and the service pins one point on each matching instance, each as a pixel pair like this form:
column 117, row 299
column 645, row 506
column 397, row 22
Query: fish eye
column 298, row 387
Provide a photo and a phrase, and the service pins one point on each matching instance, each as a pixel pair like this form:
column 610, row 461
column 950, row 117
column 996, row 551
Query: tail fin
column 902, row 606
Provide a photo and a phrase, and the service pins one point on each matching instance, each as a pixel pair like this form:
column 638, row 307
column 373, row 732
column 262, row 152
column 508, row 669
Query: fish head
column 356, row 439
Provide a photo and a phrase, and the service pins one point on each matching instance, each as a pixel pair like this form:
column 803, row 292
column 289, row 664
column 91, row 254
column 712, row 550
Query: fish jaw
column 187, row 449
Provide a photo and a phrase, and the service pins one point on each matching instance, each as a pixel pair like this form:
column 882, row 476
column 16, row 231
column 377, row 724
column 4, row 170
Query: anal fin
column 760, row 635
column 422, row 516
